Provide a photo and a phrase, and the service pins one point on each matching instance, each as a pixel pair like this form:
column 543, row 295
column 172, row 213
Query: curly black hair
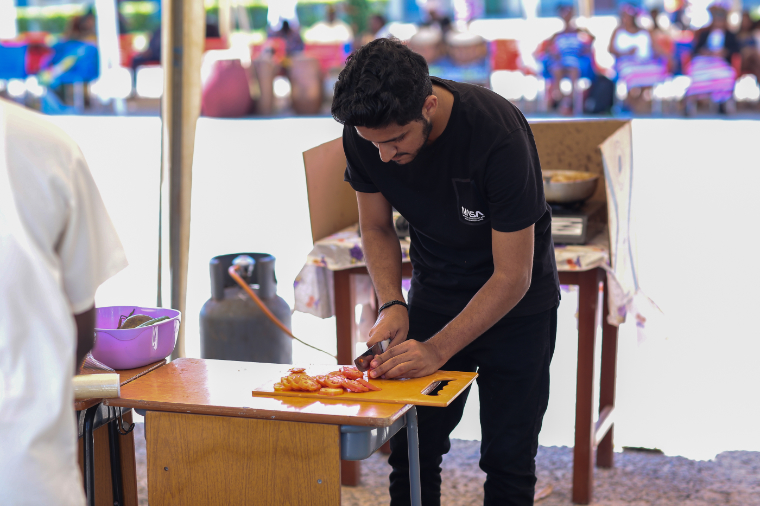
column 384, row 82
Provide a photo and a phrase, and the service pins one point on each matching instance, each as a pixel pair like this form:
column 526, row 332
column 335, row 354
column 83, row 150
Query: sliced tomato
column 353, row 386
column 369, row 385
column 331, row 391
column 334, row 381
column 351, row 373
column 322, row 380
column 279, row 387
column 296, row 370
column 309, row 384
column 297, row 381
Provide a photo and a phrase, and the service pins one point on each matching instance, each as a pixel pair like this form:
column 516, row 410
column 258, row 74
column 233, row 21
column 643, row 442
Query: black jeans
column 512, row 360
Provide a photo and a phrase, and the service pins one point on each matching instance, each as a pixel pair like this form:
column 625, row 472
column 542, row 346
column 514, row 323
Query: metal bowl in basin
column 580, row 186
column 132, row 348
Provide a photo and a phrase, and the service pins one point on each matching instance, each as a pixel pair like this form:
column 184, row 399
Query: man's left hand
column 410, row 359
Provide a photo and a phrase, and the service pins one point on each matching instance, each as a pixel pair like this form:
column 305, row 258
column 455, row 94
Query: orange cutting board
column 395, row 391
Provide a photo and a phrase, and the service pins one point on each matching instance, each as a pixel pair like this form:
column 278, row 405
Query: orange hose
column 240, row 281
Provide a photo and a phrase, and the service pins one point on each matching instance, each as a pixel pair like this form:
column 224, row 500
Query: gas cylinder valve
column 244, row 265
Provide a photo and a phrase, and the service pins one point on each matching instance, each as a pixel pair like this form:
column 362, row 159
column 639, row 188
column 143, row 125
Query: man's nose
column 386, row 152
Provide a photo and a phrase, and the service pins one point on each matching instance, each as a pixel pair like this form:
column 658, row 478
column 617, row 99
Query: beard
column 427, row 127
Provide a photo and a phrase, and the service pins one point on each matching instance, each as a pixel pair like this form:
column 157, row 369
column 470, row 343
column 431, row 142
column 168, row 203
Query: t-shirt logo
column 472, row 215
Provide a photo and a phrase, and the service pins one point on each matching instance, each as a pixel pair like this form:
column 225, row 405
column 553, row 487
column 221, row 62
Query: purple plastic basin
column 131, row 348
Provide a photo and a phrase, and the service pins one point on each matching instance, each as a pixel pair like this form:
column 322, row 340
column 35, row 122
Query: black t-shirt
column 481, row 173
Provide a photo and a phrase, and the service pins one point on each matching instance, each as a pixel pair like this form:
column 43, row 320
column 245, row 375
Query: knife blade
column 362, row 361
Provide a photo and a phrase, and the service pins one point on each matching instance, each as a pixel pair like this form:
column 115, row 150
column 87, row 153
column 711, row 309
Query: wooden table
column 106, row 460
column 589, row 436
column 210, row 441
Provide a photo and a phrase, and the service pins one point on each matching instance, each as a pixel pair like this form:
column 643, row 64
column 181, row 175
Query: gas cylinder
column 232, row 325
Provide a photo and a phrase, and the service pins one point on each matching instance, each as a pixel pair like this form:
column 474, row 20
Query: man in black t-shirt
column 460, row 164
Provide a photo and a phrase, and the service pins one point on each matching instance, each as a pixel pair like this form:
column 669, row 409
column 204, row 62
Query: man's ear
column 430, row 106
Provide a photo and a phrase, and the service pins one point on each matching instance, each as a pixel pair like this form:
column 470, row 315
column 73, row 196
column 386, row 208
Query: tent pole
column 586, row 8
column 181, row 50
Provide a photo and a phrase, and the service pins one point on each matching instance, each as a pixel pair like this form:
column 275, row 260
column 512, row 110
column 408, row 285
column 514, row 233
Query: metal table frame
column 92, row 418
column 359, row 443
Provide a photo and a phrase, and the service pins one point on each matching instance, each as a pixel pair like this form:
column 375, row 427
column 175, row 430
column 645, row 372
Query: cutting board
column 395, row 391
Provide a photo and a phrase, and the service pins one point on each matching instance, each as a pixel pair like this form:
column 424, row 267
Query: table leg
column 116, row 480
column 413, row 442
column 345, row 323
column 89, row 454
column 604, row 452
column 95, row 460
column 345, row 303
column 588, row 301
column 344, row 316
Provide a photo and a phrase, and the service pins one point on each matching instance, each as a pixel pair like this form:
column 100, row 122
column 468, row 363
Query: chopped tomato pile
column 348, row 379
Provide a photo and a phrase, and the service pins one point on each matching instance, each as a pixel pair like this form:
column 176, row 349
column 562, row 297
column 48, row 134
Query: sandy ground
column 639, row 478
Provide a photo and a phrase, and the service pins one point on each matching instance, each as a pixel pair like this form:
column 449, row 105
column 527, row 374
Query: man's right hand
column 393, row 324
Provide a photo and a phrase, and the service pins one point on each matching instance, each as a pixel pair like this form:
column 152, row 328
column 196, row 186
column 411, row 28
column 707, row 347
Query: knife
column 362, row 361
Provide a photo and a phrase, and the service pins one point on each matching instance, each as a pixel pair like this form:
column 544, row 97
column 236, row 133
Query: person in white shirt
column 57, row 245
column 330, row 31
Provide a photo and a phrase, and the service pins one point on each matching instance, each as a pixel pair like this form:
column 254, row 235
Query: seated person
column 376, row 29
column 332, row 30
column 637, row 60
column 152, row 55
column 82, row 28
column 293, row 42
column 661, row 38
column 711, row 72
column 749, row 33
column 569, row 55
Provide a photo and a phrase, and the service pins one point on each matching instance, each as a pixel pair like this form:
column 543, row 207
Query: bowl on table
column 569, row 186
column 132, row 348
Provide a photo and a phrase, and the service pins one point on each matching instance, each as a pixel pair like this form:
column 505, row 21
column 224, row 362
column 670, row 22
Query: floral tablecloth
column 314, row 289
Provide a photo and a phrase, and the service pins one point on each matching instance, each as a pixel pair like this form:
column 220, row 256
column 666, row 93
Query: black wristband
column 392, row 303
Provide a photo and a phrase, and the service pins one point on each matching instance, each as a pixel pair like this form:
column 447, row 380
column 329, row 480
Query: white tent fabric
column 7, row 19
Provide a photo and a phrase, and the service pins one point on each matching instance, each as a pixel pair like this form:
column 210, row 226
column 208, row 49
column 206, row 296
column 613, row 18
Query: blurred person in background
column 57, row 245
column 331, row 30
column 212, row 28
column 568, row 55
column 436, row 17
column 293, row 42
column 748, row 36
column 638, row 60
column 711, row 72
column 151, row 55
column 376, row 29
column 680, row 34
column 75, row 59
column 82, row 28
column 660, row 36
column 679, row 17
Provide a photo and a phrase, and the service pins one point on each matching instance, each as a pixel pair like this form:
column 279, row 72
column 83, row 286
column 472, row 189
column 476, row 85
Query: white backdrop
column 691, row 389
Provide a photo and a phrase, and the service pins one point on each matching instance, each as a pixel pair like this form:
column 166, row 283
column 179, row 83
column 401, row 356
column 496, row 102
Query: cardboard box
column 569, row 145
column 600, row 146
